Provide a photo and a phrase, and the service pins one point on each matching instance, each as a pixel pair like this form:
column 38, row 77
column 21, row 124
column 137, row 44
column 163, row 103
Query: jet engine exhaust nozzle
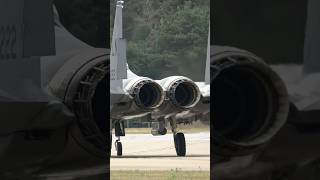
column 146, row 93
column 249, row 102
column 183, row 93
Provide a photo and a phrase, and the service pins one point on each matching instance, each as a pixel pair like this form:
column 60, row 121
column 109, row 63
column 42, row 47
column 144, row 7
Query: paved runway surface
column 147, row 152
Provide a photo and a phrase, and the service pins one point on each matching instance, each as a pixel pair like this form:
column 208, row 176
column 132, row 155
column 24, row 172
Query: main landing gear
column 119, row 131
column 178, row 138
column 159, row 128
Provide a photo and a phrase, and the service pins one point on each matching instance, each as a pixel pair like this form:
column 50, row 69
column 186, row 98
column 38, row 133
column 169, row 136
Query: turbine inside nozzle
column 249, row 102
column 184, row 93
column 147, row 94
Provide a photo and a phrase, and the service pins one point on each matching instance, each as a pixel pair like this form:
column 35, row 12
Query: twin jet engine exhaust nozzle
column 149, row 94
column 182, row 92
column 146, row 93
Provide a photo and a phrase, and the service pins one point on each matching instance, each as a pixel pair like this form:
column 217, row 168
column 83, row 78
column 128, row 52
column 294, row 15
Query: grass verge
column 160, row 175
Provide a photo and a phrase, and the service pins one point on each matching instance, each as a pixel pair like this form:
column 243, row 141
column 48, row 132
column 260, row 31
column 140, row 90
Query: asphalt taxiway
column 147, row 152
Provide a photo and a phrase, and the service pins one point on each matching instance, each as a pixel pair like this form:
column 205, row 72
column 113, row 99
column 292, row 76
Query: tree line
column 165, row 37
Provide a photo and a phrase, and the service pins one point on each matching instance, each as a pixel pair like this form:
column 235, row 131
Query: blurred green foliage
column 165, row 37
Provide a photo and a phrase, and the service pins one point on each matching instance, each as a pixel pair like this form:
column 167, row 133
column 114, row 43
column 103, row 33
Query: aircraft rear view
column 258, row 132
column 134, row 96
column 250, row 104
column 54, row 102
column 261, row 128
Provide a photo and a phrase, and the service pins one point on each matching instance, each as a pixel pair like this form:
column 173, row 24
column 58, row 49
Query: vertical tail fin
column 118, row 47
column 207, row 72
column 312, row 38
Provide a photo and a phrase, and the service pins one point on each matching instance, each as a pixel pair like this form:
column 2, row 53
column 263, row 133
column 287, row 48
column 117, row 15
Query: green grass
column 160, row 175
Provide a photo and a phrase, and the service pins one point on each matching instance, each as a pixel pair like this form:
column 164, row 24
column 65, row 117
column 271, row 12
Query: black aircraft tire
column 119, row 148
column 180, row 144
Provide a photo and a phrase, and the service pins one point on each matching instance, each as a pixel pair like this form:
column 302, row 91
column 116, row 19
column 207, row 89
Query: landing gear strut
column 159, row 128
column 179, row 139
column 119, row 131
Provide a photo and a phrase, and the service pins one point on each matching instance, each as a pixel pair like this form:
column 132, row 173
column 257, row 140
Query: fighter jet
column 133, row 96
column 53, row 97
column 288, row 148
column 250, row 106
column 265, row 124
